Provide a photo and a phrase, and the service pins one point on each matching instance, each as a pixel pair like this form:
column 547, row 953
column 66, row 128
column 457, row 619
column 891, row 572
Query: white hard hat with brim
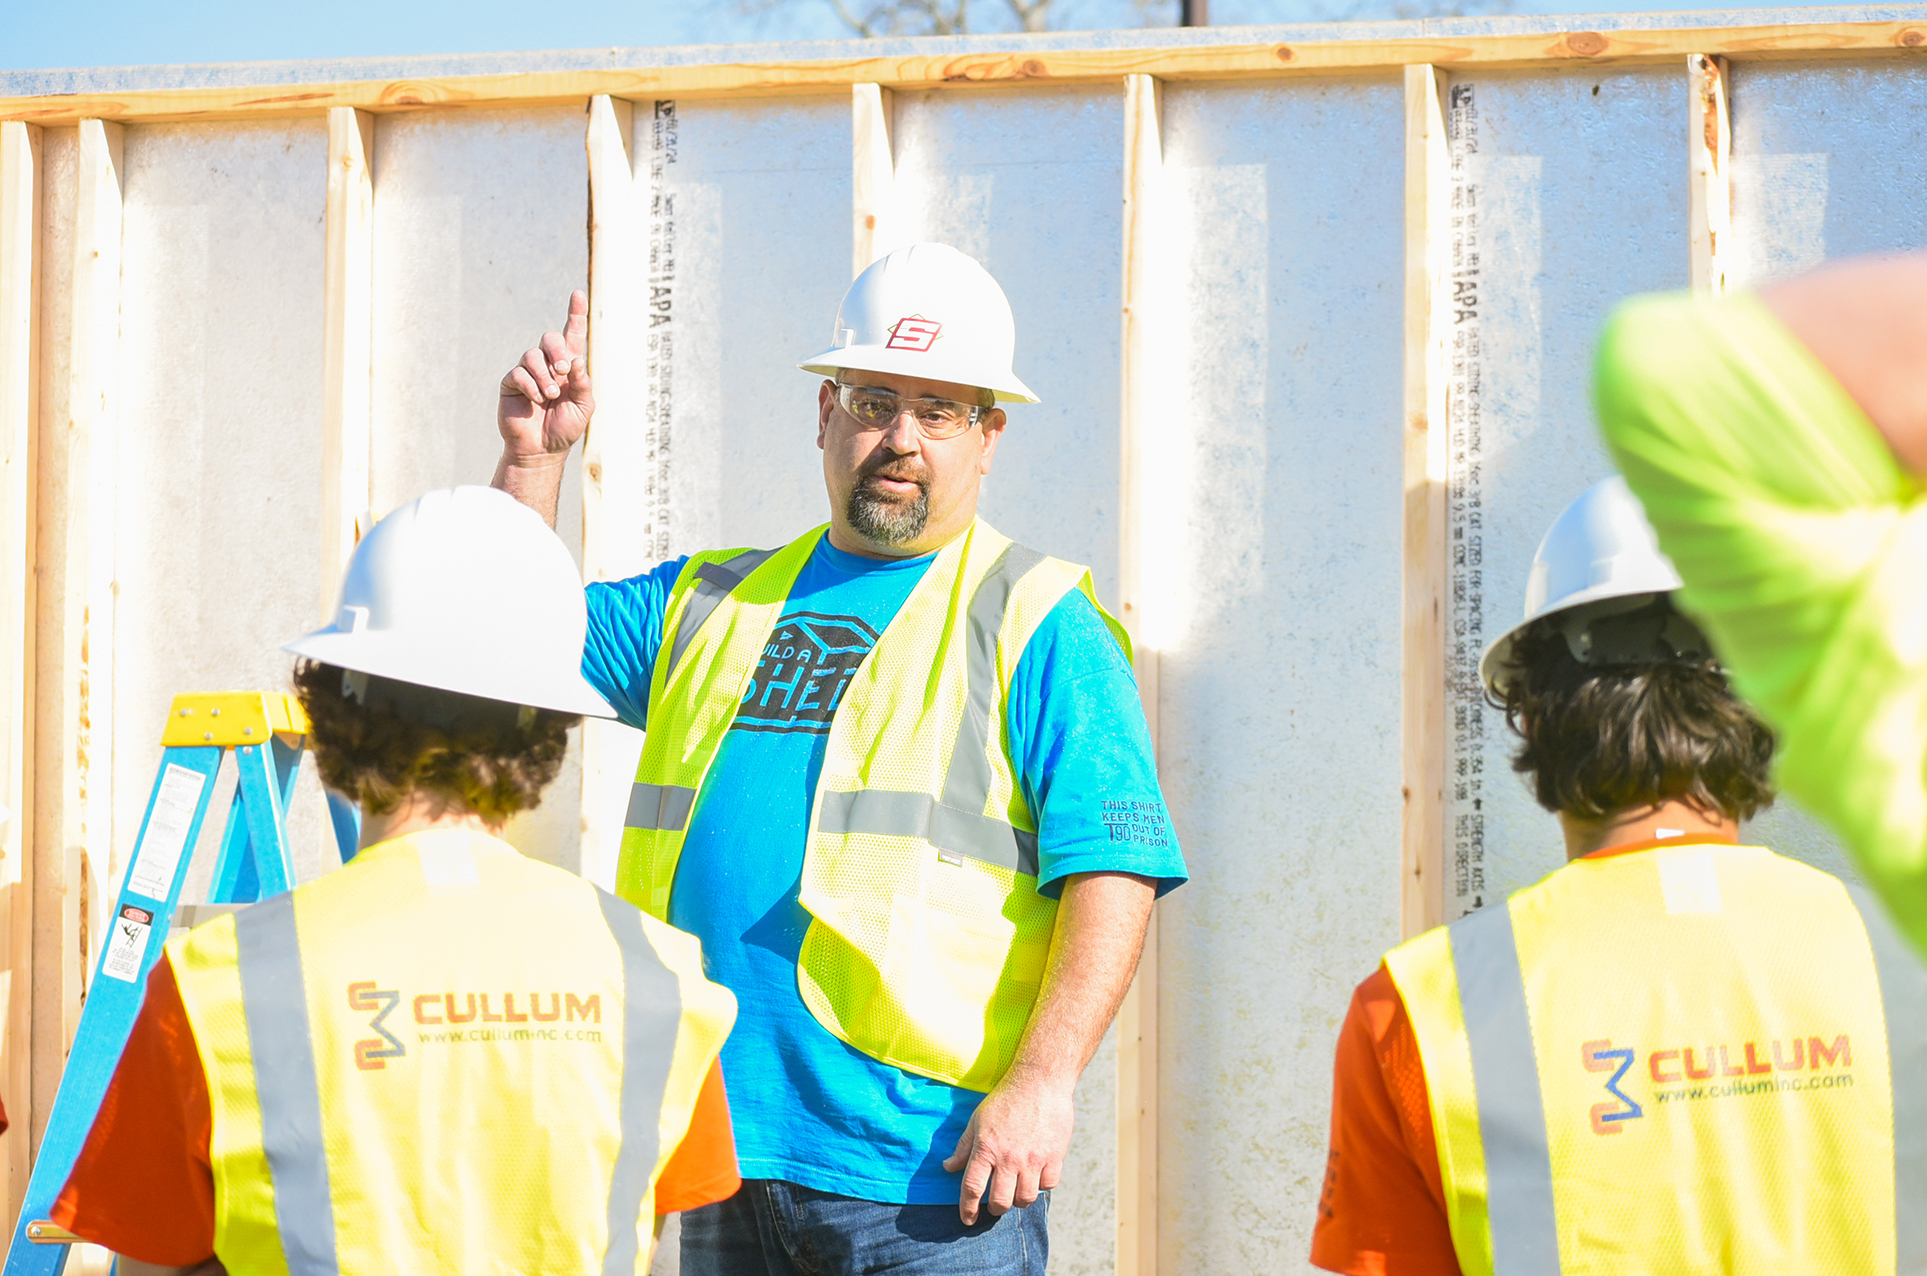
column 931, row 312
column 1600, row 553
column 464, row 590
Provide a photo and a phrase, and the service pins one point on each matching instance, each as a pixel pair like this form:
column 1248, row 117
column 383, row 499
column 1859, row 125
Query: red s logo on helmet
column 913, row 332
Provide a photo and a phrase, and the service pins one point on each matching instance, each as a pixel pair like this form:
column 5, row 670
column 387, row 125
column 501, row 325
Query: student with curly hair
column 441, row 1057
column 1677, row 1053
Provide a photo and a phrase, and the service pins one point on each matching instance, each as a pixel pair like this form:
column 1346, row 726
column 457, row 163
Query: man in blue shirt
column 852, row 1164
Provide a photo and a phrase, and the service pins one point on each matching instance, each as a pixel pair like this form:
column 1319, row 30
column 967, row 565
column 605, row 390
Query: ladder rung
column 43, row 1232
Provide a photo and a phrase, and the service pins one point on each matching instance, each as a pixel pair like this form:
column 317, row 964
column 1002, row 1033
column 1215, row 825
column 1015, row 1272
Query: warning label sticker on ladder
column 127, row 943
column 166, row 834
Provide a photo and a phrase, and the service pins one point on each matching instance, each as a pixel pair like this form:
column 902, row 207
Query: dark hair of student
column 377, row 741
column 1599, row 740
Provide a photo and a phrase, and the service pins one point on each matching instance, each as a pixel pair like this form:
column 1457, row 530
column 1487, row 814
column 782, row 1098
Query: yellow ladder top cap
column 228, row 718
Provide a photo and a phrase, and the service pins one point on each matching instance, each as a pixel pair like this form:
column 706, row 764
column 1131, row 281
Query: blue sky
column 39, row 34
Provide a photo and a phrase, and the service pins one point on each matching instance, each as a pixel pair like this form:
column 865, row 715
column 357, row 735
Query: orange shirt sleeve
column 702, row 1169
column 143, row 1185
column 1382, row 1212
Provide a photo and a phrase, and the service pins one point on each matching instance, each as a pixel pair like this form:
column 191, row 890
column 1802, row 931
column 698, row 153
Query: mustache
column 896, row 469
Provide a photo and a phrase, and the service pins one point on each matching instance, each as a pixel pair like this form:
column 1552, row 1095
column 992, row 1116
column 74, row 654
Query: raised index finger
column 576, row 330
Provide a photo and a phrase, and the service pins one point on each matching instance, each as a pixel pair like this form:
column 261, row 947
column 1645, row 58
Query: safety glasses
column 879, row 409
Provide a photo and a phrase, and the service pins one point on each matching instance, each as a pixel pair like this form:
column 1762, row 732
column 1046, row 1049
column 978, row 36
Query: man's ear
column 825, row 404
column 993, row 428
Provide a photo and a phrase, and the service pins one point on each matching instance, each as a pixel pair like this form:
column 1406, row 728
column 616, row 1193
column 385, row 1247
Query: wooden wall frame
column 1422, row 628
column 873, row 177
column 1034, row 69
column 1709, row 149
column 58, row 789
column 1137, row 1020
column 348, row 346
column 21, row 184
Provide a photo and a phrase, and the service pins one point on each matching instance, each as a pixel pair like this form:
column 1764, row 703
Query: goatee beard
column 882, row 521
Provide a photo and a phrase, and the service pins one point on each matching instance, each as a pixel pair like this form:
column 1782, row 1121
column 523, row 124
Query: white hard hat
column 1601, row 559
column 927, row 311
column 464, row 590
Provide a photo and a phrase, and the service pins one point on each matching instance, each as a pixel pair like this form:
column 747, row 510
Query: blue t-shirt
column 807, row 1107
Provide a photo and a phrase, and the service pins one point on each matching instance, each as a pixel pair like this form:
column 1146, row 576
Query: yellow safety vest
column 1691, row 1059
column 444, row 1057
column 928, row 935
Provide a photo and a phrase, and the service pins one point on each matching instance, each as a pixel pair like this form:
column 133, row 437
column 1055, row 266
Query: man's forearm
column 536, row 482
column 1101, row 920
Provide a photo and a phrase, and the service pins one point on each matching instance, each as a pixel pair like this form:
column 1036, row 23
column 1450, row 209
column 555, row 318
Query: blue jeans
column 773, row 1228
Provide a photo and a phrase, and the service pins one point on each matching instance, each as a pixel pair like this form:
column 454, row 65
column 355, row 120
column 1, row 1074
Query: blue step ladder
column 267, row 733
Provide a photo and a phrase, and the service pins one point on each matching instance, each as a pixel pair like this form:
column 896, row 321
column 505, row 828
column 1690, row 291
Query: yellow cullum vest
column 928, row 937
column 1692, row 1059
column 444, row 1057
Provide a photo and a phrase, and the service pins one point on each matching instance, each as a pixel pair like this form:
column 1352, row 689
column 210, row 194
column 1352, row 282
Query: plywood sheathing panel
column 480, row 232
column 1029, row 185
column 1279, row 721
column 1826, row 163
column 1579, row 185
column 761, row 221
column 741, row 213
column 219, row 483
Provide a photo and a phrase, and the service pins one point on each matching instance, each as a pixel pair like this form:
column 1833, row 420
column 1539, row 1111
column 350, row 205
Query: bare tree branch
column 1032, row 15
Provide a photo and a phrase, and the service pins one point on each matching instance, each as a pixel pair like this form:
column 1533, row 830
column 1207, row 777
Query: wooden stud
column 99, row 216
column 1422, row 828
column 1709, row 141
column 73, row 825
column 874, row 179
column 611, row 466
column 989, row 67
column 20, row 252
column 1137, row 1020
column 347, row 346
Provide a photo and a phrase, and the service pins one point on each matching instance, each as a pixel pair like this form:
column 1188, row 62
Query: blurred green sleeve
column 1803, row 545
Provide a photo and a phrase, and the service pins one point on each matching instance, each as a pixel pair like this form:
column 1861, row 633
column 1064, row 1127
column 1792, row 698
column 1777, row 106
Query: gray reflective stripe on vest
column 981, row 837
column 651, row 1015
column 967, row 786
column 275, row 1003
column 714, row 581
column 1903, row 1000
column 1505, row 1079
column 659, row 806
column 955, row 823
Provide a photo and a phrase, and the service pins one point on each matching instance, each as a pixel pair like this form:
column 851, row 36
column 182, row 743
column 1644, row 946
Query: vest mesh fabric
column 699, row 697
column 926, row 954
column 1685, row 1120
column 477, row 1096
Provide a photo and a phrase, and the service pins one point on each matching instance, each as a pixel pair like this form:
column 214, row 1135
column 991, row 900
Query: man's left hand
column 1014, row 1145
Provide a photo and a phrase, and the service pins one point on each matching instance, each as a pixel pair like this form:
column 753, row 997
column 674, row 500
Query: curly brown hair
column 486, row 756
column 1599, row 740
